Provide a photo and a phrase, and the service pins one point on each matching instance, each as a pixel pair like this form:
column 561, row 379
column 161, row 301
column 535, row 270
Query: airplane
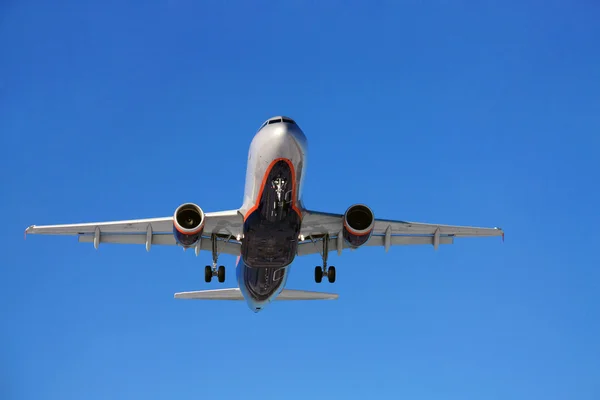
column 270, row 229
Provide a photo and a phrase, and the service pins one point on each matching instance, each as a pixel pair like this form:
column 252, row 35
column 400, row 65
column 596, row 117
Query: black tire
column 221, row 274
column 318, row 274
column 331, row 274
column 207, row 274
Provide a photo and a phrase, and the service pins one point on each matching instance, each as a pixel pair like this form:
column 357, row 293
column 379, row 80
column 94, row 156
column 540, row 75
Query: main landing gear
column 210, row 271
column 321, row 271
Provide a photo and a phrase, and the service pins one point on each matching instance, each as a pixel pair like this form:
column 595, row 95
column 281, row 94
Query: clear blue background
column 475, row 113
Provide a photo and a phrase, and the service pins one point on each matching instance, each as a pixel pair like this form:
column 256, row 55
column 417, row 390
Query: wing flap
column 160, row 239
column 315, row 247
column 225, row 247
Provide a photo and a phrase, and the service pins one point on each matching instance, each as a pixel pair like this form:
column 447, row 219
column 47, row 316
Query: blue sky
column 448, row 112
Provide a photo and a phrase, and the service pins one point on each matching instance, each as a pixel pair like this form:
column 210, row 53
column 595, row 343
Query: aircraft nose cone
column 282, row 129
column 293, row 132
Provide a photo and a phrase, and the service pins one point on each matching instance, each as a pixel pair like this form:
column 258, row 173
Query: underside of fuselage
column 272, row 226
column 271, row 209
column 271, row 230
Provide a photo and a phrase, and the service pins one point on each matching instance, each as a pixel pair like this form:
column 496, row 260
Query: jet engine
column 188, row 224
column 359, row 222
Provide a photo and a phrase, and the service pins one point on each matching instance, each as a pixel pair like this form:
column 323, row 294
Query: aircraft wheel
column 331, row 274
column 318, row 274
column 207, row 274
column 221, row 274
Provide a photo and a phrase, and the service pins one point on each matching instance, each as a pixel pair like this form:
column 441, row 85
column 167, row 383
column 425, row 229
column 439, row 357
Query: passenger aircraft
column 270, row 229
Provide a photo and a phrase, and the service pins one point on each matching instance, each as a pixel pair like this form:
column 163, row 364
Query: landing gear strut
column 321, row 271
column 209, row 271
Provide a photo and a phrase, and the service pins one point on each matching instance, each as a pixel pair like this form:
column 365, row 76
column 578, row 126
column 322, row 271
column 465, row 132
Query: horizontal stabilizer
column 236, row 294
column 215, row 294
column 289, row 294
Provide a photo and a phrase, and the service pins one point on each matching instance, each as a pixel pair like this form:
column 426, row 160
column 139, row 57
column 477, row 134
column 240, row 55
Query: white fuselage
column 272, row 142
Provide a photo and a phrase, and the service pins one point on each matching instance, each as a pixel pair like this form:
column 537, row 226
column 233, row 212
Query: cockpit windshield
column 277, row 120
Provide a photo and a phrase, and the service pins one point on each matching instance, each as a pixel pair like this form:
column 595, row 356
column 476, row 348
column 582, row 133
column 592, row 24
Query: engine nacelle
column 188, row 224
column 359, row 222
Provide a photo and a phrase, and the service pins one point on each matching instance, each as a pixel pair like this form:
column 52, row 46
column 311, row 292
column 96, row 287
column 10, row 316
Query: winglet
column 500, row 229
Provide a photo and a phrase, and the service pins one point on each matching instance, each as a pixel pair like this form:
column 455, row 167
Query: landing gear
column 279, row 185
column 283, row 197
column 321, row 271
column 318, row 274
column 210, row 271
column 331, row 274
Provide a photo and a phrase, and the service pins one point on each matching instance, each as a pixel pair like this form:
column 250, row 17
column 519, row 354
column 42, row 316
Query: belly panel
column 272, row 225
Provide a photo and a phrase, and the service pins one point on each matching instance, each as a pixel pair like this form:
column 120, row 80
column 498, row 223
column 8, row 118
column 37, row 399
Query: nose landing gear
column 321, row 271
column 279, row 184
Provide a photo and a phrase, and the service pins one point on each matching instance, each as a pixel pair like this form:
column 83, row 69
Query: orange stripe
column 264, row 181
column 190, row 233
column 352, row 231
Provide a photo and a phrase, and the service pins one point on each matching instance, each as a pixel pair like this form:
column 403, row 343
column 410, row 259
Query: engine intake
column 188, row 224
column 359, row 222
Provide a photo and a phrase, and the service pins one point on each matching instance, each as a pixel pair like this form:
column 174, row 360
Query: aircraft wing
column 227, row 227
column 316, row 226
